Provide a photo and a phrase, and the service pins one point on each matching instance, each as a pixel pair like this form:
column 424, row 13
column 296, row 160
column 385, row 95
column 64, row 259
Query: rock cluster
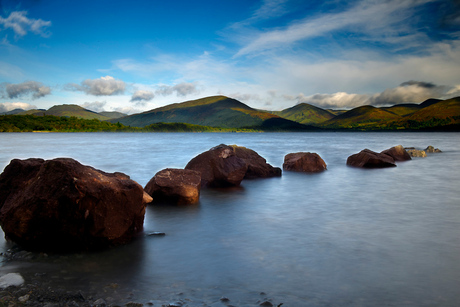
column 62, row 204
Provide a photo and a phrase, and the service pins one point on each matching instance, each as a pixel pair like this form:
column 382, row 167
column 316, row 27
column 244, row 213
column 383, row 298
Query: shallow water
column 347, row 236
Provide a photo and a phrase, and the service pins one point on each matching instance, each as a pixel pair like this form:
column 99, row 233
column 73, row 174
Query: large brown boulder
column 62, row 205
column 176, row 186
column 369, row 159
column 398, row 153
column 257, row 165
column 304, row 162
column 219, row 167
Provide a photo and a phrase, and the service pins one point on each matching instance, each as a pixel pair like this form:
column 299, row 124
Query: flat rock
column 398, row 153
column 369, row 159
column 62, row 205
column 175, row 186
column 304, row 162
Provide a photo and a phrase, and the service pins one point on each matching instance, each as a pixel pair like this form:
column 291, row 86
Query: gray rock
column 11, row 279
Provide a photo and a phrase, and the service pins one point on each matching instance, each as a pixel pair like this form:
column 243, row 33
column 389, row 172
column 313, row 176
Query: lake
column 344, row 237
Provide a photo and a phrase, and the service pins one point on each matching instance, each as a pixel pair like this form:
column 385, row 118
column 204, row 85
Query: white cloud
column 142, row 96
column 9, row 106
column 104, row 86
column 96, row 106
column 21, row 25
column 181, row 89
column 37, row 89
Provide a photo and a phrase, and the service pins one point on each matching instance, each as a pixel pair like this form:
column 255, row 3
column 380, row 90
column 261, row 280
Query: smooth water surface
column 344, row 237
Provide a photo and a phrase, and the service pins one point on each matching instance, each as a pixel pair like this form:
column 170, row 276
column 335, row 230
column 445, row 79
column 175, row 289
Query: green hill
column 215, row 111
column 67, row 110
column 403, row 109
column 362, row 118
column 113, row 114
column 305, row 113
column 437, row 114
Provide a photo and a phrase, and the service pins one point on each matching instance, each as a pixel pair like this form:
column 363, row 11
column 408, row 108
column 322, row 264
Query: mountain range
column 225, row 112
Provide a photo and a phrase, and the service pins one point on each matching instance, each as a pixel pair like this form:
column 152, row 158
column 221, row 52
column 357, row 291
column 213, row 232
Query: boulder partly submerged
column 431, row 149
column 369, row 159
column 398, row 153
column 61, row 205
column 304, row 162
column 257, row 165
column 224, row 166
column 175, row 186
column 415, row 153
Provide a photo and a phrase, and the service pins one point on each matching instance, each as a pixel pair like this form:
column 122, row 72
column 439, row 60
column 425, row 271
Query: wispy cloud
column 375, row 19
column 104, row 86
column 140, row 97
column 21, row 24
column 37, row 89
column 181, row 89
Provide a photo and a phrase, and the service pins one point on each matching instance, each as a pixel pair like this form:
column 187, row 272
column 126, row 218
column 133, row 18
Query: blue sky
column 132, row 56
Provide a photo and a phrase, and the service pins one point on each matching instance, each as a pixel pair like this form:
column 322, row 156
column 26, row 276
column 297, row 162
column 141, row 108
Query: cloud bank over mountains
column 407, row 92
column 266, row 53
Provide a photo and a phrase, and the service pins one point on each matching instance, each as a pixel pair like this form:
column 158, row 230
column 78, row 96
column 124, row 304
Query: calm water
column 345, row 237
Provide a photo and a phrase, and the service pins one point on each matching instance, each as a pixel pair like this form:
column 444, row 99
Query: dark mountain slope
column 215, row 111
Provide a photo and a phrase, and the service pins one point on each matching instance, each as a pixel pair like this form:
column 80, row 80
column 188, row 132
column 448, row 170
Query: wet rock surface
column 431, row 149
column 62, row 205
column 398, row 153
column 175, row 186
column 304, row 162
column 48, row 288
column 257, row 165
column 369, row 159
column 226, row 166
column 415, row 153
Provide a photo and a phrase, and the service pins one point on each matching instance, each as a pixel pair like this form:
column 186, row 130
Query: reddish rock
column 176, row 186
column 219, row 167
column 62, row 205
column 369, row 159
column 304, row 162
column 398, row 153
column 257, row 165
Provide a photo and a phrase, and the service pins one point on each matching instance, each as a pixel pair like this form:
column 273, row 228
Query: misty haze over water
column 347, row 236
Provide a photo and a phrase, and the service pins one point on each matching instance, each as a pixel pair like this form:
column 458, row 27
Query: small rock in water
column 224, row 299
column 176, row 304
column 156, row 233
column 266, row 304
column 431, row 149
column 11, row 279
